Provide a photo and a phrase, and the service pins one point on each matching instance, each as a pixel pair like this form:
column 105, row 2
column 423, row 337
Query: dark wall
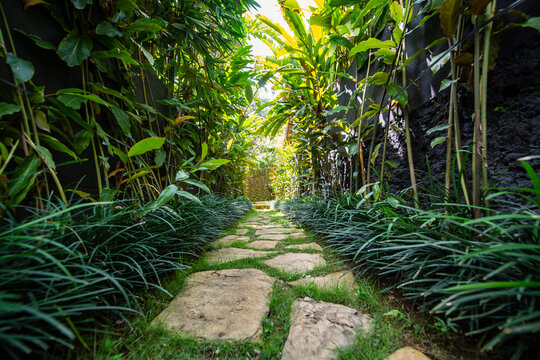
column 513, row 106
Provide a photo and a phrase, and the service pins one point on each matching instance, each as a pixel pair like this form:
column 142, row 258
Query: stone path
column 231, row 304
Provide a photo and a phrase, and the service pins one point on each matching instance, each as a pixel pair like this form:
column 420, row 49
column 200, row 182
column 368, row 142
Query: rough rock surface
column 241, row 231
column 263, row 244
column 317, row 328
column 341, row 279
column 225, row 304
column 229, row 239
column 310, row 246
column 276, row 237
column 296, row 262
column 276, row 230
column 407, row 353
column 231, row 254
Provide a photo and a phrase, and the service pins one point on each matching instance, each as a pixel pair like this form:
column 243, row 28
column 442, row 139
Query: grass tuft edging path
column 388, row 326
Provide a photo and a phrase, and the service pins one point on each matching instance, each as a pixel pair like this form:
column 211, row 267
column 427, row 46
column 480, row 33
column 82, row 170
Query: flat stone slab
column 296, row 262
column 229, row 239
column 241, row 231
column 230, row 254
column 220, row 305
column 318, row 328
column 407, row 353
column 276, row 230
column 262, row 244
column 341, row 279
column 310, row 246
column 276, row 237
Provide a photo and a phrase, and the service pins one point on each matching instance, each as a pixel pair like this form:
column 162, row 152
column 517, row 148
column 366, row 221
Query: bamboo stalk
column 476, row 158
column 484, row 78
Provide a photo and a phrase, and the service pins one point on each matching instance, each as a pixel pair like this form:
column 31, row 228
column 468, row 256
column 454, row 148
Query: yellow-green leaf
column 145, row 145
column 448, row 14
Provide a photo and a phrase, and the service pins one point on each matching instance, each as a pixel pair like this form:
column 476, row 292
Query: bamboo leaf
column 47, row 156
column 145, row 145
column 122, row 118
column 23, row 175
column 188, row 196
column 437, row 128
column 56, row 145
column 181, row 175
column 437, row 141
column 212, row 164
column 198, row 184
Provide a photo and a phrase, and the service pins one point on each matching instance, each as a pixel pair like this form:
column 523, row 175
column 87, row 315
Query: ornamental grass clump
column 483, row 274
column 67, row 270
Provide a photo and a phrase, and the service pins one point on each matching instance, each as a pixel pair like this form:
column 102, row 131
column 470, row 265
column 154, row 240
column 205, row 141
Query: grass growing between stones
column 391, row 329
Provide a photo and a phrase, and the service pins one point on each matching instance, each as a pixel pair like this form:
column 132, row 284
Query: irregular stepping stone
column 224, row 305
column 342, row 279
column 230, row 254
column 318, row 328
column 296, row 262
column 310, row 246
column 241, row 231
column 229, row 239
column 407, row 353
column 276, row 230
column 273, row 237
column 262, row 244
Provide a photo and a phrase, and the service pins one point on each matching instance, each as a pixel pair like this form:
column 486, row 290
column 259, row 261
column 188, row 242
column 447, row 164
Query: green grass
column 391, row 322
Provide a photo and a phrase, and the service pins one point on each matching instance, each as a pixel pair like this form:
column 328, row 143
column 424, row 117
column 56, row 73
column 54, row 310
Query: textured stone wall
column 257, row 185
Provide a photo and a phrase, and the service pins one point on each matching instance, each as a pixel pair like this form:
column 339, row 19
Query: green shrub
column 65, row 271
column 483, row 274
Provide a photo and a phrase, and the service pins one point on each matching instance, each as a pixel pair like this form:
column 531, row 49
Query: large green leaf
column 23, row 176
column 372, row 43
column 47, row 156
column 81, row 4
column 82, row 140
column 56, row 145
column 122, row 118
column 145, row 145
column 166, row 195
column 394, row 90
column 212, row 164
column 8, row 109
column 75, row 48
column 533, row 22
column 107, row 29
column 22, row 70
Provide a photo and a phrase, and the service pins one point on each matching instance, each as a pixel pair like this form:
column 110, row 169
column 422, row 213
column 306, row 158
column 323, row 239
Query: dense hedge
column 64, row 271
